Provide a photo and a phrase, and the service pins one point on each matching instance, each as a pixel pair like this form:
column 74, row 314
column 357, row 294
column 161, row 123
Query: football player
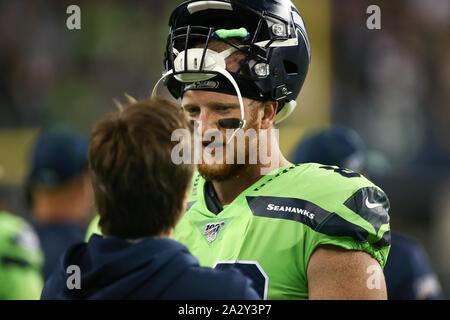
column 300, row 231
column 306, row 231
column 20, row 259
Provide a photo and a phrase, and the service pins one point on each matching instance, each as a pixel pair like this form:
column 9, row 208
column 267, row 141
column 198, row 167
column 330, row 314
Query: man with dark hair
column 140, row 195
column 58, row 191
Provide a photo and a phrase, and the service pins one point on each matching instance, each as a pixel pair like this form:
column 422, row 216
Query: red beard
column 224, row 171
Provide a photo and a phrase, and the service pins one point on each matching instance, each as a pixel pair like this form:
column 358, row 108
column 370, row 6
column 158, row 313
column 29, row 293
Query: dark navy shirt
column 154, row 268
column 408, row 273
column 55, row 239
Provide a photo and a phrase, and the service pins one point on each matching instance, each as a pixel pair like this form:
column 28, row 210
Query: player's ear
column 270, row 111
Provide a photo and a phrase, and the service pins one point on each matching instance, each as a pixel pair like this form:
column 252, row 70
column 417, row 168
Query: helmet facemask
column 191, row 65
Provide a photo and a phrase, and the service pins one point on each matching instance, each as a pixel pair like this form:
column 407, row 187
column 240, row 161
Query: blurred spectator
column 59, row 191
column 391, row 84
column 20, row 260
column 139, row 206
column 44, row 65
column 408, row 273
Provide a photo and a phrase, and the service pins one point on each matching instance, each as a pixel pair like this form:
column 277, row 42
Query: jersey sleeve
column 356, row 219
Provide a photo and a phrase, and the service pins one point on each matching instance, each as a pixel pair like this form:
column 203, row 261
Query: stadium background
column 391, row 85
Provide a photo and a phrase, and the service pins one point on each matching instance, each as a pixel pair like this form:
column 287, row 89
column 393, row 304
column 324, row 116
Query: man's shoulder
column 326, row 186
column 328, row 177
column 309, row 178
column 338, row 206
column 333, row 189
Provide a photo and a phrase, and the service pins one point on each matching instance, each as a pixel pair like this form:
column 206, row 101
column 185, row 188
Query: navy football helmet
column 271, row 35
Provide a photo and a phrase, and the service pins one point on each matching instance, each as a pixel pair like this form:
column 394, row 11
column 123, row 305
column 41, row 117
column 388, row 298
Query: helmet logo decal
column 208, row 84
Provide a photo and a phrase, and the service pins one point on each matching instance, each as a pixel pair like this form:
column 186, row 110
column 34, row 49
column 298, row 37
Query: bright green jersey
column 271, row 229
column 20, row 260
column 93, row 228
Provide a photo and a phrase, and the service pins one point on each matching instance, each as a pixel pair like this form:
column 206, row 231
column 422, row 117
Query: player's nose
column 207, row 121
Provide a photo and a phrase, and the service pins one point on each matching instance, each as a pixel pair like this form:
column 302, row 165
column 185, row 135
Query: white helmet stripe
column 204, row 5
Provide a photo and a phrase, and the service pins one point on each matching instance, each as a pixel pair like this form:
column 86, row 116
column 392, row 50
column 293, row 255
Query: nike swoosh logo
column 371, row 205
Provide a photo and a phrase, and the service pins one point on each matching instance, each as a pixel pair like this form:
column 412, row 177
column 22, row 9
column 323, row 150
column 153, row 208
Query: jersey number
column 252, row 270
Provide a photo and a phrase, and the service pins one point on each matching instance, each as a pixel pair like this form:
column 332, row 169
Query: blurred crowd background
column 390, row 85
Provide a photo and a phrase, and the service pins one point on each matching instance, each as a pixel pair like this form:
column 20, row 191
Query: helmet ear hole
column 290, row 67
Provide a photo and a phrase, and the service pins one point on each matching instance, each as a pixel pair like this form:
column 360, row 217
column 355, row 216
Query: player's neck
column 228, row 190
